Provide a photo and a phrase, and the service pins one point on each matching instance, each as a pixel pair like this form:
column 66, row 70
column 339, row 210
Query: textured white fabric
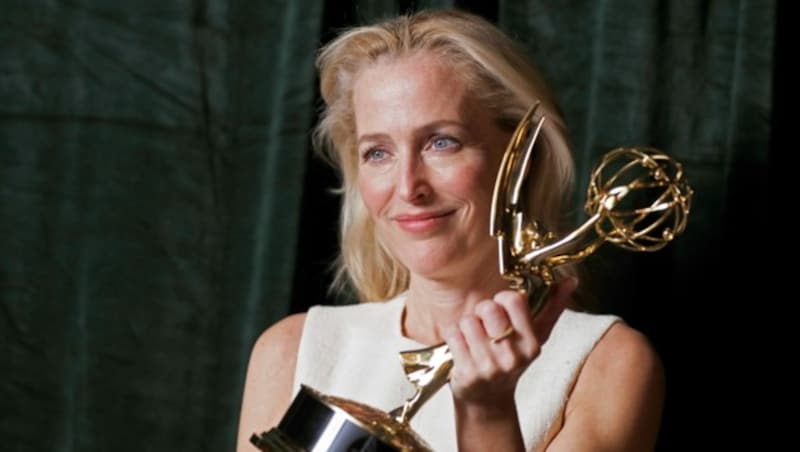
column 352, row 352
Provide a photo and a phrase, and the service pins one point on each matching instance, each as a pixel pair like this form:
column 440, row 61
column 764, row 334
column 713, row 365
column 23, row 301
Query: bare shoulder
column 618, row 397
column 622, row 352
column 280, row 340
column 270, row 375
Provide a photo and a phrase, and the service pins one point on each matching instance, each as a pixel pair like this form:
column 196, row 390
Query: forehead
column 415, row 88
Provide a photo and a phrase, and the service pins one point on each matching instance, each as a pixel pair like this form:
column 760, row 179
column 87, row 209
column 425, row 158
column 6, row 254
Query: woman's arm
column 618, row 397
column 270, row 374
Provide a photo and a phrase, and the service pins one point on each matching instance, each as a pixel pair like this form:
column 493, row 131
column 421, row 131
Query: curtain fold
column 151, row 166
column 153, row 160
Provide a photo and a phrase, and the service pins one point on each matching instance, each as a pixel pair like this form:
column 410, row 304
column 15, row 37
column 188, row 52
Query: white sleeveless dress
column 352, row 352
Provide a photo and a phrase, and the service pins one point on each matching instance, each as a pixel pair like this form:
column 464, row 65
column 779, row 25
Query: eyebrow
column 423, row 129
column 370, row 137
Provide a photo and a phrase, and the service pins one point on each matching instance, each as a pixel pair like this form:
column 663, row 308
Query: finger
column 525, row 342
column 494, row 318
column 501, row 334
column 477, row 341
column 516, row 307
column 558, row 298
column 462, row 361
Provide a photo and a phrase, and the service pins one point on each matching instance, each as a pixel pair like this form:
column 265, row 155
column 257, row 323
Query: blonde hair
column 499, row 77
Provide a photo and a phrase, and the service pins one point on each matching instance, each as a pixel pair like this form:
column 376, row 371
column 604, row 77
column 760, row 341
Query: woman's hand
column 485, row 371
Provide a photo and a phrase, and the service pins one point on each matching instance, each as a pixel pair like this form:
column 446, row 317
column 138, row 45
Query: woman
column 418, row 112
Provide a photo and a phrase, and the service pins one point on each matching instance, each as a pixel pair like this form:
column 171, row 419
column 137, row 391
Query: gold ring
column 504, row 335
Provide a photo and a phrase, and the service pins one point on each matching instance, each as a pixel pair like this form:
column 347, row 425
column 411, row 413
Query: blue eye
column 375, row 154
column 443, row 142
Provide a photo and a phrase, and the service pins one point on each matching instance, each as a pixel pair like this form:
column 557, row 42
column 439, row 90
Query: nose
column 413, row 185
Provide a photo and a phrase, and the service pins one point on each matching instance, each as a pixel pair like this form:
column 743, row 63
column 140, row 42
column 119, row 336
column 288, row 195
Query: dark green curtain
column 159, row 207
column 151, row 165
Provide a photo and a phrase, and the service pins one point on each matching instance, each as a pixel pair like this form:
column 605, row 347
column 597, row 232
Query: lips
column 422, row 222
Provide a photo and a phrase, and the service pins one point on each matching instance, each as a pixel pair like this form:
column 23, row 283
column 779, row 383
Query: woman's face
column 428, row 157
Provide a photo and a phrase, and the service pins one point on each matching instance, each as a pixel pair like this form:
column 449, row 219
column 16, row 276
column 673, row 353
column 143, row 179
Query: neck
column 433, row 306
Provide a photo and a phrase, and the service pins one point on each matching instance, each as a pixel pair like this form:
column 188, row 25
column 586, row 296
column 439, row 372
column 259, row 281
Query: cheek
column 374, row 193
column 473, row 182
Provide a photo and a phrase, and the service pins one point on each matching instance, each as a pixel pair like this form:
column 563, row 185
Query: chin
column 427, row 265
column 438, row 259
column 443, row 265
